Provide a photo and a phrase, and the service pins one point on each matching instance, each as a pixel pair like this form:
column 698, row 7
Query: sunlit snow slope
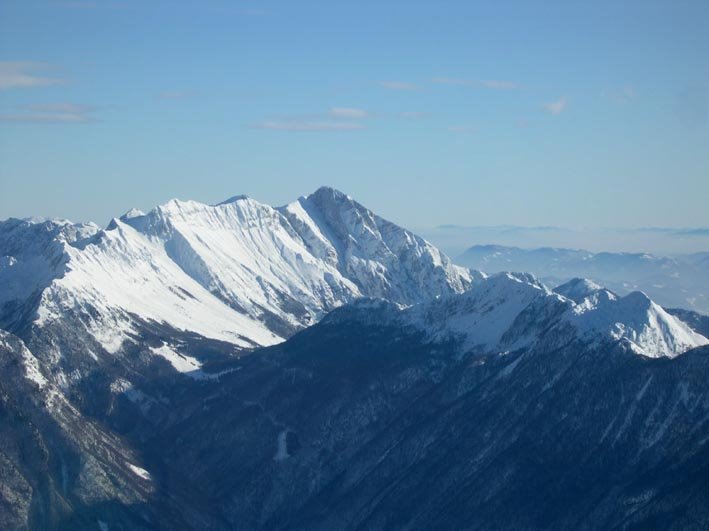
column 239, row 271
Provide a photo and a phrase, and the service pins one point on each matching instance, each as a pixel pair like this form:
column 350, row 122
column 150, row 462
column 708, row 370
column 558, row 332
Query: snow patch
column 140, row 472
column 180, row 362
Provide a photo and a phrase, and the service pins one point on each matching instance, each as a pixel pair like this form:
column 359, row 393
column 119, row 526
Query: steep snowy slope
column 240, row 271
column 247, row 255
column 122, row 277
column 286, row 267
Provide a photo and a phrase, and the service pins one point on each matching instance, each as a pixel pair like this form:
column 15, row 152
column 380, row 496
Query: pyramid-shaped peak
column 132, row 213
column 328, row 192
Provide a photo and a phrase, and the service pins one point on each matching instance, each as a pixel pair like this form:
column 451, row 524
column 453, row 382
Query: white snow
column 488, row 317
column 484, row 313
column 180, row 362
column 121, row 385
column 140, row 472
column 126, row 273
column 636, row 321
column 132, row 213
column 29, row 361
column 32, row 371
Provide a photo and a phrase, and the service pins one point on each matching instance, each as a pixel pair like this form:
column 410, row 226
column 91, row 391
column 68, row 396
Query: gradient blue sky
column 531, row 113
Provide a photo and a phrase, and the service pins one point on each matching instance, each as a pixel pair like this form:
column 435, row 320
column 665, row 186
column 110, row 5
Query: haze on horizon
column 462, row 113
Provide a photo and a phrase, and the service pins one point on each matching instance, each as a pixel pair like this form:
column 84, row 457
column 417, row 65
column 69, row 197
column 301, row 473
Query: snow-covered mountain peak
column 638, row 300
column 635, row 320
column 344, row 233
column 251, row 274
column 240, row 271
column 328, row 193
column 578, row 289
column 132, row 213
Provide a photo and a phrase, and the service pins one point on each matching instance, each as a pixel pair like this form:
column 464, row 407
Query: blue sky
column 472, row 113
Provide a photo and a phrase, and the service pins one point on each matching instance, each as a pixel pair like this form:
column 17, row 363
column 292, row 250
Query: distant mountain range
column 681, row 281
column 314, row 366
column 660, row 241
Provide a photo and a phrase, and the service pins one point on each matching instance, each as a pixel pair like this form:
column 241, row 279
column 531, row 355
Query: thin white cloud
column 23, row 74
column 348, row 113
column 67, row 113
column 495, row 84
column 397, row 85
column 556, row 107
column 335, row 119
column 306, row 125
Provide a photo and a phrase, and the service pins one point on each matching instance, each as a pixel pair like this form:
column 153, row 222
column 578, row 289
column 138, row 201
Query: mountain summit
column 251, row 275
column 241, row 271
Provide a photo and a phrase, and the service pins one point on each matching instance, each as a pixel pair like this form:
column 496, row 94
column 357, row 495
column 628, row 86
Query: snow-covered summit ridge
column 239, row 271
column 509, row 311
column 644, row 326
column 251, row 274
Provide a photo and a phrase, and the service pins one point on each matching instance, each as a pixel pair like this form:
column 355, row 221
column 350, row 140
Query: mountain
column 240, row 272
column 314, row 366
column 288, row 266
column 507, row 312
column 277, row 270
column 371, row 419
column 56, row 464
column 661, row 241
column 681, row 281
